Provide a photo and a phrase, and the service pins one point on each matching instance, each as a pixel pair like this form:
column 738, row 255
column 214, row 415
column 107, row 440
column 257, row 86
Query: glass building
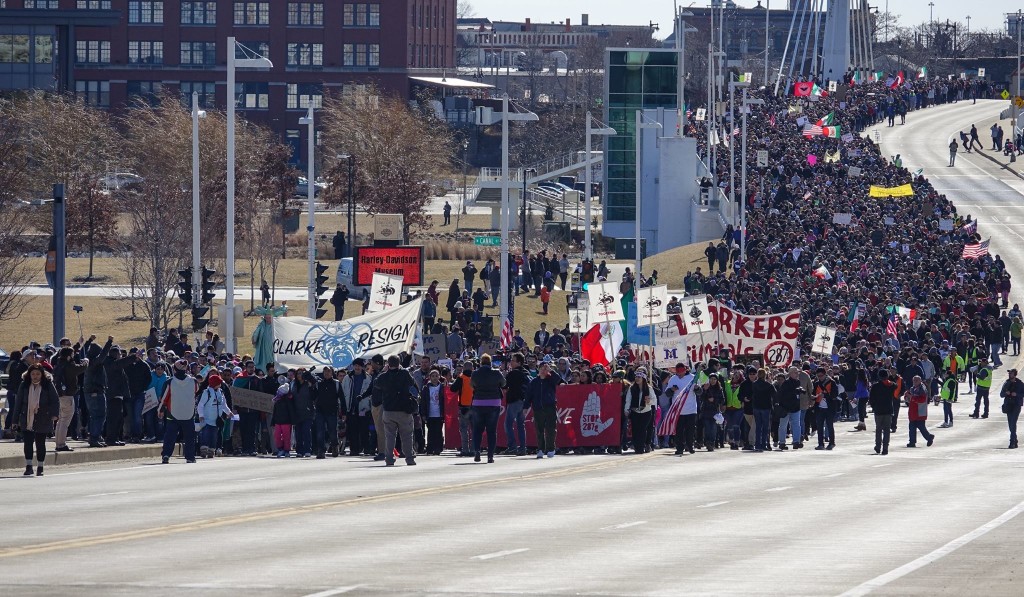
column 635, row 79
column 27, row 57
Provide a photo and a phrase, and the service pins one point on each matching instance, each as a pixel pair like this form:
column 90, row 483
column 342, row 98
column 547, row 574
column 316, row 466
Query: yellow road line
column 235, row 519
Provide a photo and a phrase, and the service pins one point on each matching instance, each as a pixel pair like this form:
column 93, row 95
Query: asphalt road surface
column 935, row 521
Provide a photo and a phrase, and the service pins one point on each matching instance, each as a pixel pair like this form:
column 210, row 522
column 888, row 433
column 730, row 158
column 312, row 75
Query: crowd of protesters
column 914, row 322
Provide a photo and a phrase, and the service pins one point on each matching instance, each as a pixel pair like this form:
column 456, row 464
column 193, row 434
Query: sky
column 987, row 14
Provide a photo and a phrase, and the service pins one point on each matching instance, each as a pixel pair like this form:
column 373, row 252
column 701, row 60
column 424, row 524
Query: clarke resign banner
column 304, row 342
column 587, row 415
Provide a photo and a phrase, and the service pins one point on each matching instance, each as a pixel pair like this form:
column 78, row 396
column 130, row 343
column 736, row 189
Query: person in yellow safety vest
column 954, row 365
column 947, row 392
column 971, row 357
column 984, row 384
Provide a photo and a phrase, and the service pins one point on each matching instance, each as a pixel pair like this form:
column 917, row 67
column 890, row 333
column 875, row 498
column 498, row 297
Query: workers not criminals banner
column 773, row 337
column 588, row 415
column 304, row 342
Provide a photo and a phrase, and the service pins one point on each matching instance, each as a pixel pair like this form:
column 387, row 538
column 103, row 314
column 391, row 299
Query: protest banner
column 588, row 415
column 434, row 346
column 301, row 342
column 385, row 292
column 244, row 398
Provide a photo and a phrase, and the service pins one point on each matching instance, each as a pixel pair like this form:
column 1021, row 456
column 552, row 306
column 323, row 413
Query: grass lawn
column 673, row 264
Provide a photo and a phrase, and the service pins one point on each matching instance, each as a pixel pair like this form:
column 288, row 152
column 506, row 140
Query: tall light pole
column 505, row 205
column 229, row 273
column 743, row 177
column 681, row 29
column 196, row 258
column 522, row 205
column 767, row 10
column 1013, row 124
column 310, row 211
column 588, row 245
column 640, row 126
column 733, row 85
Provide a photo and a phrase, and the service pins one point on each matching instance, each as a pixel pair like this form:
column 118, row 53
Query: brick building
column 122, row 50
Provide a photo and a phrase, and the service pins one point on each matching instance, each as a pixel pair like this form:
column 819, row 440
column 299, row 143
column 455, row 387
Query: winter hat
column 215, row 381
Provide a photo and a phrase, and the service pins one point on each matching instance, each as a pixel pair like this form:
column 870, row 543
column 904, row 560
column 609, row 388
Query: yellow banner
column 900, row 191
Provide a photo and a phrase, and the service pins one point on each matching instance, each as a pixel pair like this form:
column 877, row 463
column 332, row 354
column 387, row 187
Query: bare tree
column 465, row 10
column 400, row 152
column 13, row 180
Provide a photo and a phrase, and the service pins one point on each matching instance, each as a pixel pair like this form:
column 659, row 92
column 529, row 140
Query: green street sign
column 487, row 241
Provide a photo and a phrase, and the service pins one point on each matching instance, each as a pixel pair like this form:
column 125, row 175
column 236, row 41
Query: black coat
column 398, row 391
column 49, row 406
column 881, row 397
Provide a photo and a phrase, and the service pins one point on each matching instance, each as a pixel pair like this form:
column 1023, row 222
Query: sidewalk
column 12, row 455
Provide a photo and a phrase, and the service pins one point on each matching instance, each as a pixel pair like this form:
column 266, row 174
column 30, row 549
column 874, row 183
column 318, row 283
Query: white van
column 347, row 277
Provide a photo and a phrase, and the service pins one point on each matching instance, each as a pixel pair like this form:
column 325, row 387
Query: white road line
column 107, row 470
column 332, row 592
column 834, row 475
column 500, row 554
column 624, row 525
column 778, row 488
column 106, row 494
column 713, row 504
column 880, row 581
column 881, row 465
column 257, row 479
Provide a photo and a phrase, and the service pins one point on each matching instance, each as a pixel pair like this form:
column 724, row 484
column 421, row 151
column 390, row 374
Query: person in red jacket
column 917, row 412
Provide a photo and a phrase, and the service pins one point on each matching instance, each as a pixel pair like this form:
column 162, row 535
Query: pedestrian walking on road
column 487, row 384
column 540, row 396
column 825, row 399
column 947, row 391
column 880, row 399
column 177, row 409
column 641, row 411
column 917, row 412
column 983, row 378
column 36, row 410
column 212, row 406
column 399, row 403
column 1012, row 394
column 952, row 153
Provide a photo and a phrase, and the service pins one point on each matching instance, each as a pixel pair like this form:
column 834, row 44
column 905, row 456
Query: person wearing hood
column 212, row 405
column 66, row 371
column 304, row 395
column 283, row 417
column 177, row 409
column 36, row 410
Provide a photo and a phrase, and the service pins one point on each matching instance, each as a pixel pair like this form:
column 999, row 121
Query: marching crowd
column 914, row 321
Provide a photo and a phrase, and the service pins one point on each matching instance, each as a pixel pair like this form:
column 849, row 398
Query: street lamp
column 229, row 283
column 1013, row 123
column 196, row 260
column 310, row 212
column 588, row 245
column 640, row 126
column 743, row 177
column 351, row 159
column 522, row 204
column 733, row 85
column 465, row 166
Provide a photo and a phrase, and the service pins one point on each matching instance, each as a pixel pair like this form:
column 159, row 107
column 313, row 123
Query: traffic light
column 588, row 271
column 199, row 321
column 207, row 295
column 185, row 286
column 320, row 290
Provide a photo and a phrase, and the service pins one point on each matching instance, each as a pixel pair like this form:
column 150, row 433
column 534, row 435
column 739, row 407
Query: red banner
column 588, row 416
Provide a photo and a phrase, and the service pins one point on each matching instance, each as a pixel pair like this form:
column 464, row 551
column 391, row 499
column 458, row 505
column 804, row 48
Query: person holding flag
column 682, row 414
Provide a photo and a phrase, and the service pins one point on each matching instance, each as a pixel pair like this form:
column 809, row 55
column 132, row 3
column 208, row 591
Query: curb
column 85, row 456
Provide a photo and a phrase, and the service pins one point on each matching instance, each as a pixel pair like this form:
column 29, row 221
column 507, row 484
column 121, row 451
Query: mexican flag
column 830, row 131
column 905, row 314
column 827, row 120
column 822, row 273
column 858, row 310
column 897, row 81
column 923, row 73
column 818, row 91
column 601, row 343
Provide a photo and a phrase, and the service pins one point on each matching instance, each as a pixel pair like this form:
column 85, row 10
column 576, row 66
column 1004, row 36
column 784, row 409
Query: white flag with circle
column 651, row 305
column 385, row 292
column 696, row 314
column 579, row 321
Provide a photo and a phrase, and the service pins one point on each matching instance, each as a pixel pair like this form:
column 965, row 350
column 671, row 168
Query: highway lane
column 723, row 523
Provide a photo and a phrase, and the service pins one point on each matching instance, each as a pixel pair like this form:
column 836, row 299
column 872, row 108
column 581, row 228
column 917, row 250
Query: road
column 931, row 521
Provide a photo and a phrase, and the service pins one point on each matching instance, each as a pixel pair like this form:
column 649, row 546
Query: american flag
column 667, row 425
column 813, row 131
column 976, row 250
column 890, row 328
column 970, row 227
column 510, row 321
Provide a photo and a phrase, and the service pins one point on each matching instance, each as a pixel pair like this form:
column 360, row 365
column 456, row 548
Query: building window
column 252, row 96
column 205, row 90
column 305, row 95
column 305, row 54
column 361, row 15
column 145, row 52
column 92, row 52
column 44, row 49
column 14, row 49
column 252, row 13
column 94, row 93
column 146, row 12
column 198, row 53
column 361, row 55
column 94, row 4
column 45, row 4
column 147, row 91
column 305, row 13
column 198, row 13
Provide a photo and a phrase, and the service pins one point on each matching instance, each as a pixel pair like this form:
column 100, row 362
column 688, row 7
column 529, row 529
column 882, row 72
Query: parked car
column 115, row 181
column 302, row 187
